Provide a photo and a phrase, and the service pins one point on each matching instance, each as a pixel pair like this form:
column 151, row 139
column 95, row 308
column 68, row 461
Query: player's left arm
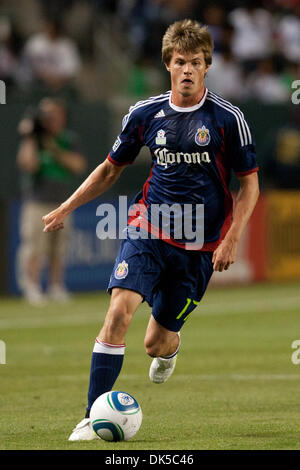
column 246, row 200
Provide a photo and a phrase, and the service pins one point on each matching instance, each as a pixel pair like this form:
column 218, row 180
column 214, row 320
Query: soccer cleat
column 83, row 431
column 161, row 369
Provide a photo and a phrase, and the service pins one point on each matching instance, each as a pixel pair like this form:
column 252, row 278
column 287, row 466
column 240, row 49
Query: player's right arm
column 99, row 181
column 123, row 153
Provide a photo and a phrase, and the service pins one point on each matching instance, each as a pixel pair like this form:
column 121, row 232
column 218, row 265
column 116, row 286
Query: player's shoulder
column 224, row 107
column 147, row 108
column 231, row 118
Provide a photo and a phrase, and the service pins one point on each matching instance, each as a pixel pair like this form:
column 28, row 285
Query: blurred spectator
column 288, row 31
column 214, row 16
column 51, row 58
column 55, row 8
column 225, row 77
column 10, row 48
column 283, row 156
column 253, row 33
column 49, row 159
column 264, row 84
column 146, row 22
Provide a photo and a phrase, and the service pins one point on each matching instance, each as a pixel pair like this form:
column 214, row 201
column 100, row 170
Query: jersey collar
column 189, row 109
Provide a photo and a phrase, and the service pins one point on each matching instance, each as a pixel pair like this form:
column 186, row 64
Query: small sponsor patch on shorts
column 121, row 270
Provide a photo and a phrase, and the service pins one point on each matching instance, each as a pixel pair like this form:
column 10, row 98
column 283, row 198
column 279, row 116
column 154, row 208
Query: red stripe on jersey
column 118, row 163
column 144, row 224
column 146, row 186
column 228, row 202
column 248, row 172
column 141, row 133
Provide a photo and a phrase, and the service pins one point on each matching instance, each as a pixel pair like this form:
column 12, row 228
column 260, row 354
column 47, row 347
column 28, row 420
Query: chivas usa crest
column 202, row 136
column 121, row 270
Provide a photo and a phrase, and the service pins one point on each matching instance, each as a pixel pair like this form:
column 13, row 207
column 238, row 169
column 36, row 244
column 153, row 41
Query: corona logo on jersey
column 121, row 270
column 202, row 136
column 164, row 157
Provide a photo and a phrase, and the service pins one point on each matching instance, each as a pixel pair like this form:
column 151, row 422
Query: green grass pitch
column 234, row 386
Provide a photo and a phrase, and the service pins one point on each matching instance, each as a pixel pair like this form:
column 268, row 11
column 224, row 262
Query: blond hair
column 187, row 36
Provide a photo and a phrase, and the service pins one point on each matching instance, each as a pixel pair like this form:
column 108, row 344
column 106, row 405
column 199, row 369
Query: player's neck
column 187, row 101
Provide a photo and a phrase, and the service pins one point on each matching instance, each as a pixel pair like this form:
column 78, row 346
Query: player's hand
column 54, row 220
column 225, row 254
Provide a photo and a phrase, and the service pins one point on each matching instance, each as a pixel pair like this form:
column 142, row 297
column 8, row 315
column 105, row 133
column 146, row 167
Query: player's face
column 187, row 74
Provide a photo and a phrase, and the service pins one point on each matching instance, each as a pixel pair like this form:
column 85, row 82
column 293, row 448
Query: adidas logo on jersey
column 159, row 114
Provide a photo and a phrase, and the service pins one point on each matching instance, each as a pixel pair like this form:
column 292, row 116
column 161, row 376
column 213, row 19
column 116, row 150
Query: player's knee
column 152, row 348
column 119, row 320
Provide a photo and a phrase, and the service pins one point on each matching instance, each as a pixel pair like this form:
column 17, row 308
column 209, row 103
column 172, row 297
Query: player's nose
column 187, row 68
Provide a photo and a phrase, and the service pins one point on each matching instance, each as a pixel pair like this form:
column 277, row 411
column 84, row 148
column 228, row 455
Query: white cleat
column 83, row 431
column 161, row 369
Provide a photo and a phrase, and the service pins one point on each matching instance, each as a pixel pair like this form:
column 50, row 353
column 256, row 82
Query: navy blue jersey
column 193, row 151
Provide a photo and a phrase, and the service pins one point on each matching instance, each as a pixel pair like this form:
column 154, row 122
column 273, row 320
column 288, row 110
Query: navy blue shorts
column 172, row 280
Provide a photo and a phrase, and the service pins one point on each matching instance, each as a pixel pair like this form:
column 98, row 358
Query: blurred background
column 71, row 71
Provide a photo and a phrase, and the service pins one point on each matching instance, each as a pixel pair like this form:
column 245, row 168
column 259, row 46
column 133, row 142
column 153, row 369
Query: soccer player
column 195, row 138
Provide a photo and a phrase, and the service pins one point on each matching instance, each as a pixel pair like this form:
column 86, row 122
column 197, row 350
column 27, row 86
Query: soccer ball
column 116, row 416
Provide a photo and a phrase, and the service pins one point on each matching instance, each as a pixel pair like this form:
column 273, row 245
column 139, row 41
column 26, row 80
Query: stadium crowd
column 257, row 51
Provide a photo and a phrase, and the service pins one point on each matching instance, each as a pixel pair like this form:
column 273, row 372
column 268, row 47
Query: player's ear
column 167, row 67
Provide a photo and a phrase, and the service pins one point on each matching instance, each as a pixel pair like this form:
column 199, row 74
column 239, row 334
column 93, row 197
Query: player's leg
column 133, row 279
column 159, row 341
column 174, row 301
column 109, row 349
column 108, row 353
column 163, row 345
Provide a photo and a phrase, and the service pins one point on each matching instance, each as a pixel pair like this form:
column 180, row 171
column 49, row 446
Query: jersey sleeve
column 129, row 142
column 240, row 145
